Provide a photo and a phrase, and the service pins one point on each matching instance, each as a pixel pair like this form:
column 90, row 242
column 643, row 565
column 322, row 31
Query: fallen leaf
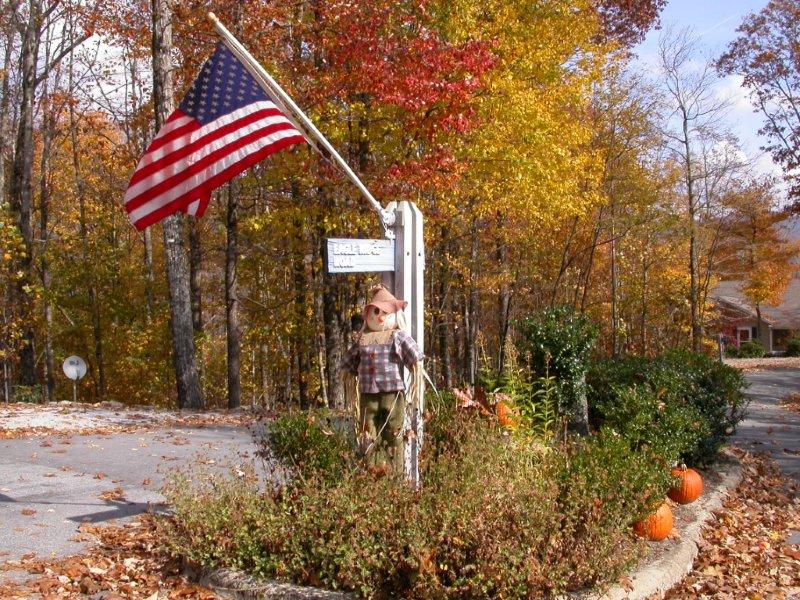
column 116, row 494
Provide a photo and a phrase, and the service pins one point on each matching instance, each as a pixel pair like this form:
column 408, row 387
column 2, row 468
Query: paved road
column 768, row 427
column 63, row 479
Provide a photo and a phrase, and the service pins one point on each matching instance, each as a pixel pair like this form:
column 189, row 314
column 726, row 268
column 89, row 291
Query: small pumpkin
column 688, row 488
column 657, row 526
column 505, row 415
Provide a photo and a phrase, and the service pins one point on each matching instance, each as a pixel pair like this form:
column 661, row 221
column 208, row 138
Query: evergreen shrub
column 752, row 349
column 698, row 398
column 793, row 346
column 558, row 342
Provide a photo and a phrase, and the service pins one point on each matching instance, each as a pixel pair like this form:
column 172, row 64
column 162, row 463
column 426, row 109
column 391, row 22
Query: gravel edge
column 651, row 577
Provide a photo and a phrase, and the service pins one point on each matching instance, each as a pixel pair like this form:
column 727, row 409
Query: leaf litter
column 23, row 420
column 745, row 551
column 127, row 561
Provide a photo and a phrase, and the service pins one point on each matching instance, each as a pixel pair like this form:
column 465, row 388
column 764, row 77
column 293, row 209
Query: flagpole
column 306, row 126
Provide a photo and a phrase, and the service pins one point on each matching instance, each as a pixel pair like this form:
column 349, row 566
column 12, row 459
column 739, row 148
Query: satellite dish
column 74, row 367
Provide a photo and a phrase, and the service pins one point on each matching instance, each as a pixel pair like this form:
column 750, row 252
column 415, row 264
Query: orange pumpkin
column 505, row 415
column 689, row 488
column 657, row 526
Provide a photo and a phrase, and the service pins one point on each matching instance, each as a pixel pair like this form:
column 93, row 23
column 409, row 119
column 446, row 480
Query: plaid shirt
column 377, row 362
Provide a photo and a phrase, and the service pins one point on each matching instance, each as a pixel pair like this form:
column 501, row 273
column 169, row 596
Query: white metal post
column 407, row 283
column 417, row 302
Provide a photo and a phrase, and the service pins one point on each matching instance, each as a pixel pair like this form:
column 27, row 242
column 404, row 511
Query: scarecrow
column 381, row 350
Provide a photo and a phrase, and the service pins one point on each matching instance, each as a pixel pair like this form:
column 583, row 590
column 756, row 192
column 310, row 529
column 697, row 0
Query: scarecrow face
column 380, row 320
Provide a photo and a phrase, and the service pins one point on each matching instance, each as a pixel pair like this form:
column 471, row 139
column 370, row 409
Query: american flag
column 225, row 124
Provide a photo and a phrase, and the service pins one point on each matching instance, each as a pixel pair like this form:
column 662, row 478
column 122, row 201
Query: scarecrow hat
column 383, row 299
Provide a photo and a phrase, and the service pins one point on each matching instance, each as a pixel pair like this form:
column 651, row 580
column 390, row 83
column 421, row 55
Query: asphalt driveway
column 50, row 485
column 769, row 427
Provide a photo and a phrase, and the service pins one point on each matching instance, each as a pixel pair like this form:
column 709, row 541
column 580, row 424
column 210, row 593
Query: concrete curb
column 656, row 576
column 653, row 576
column 235, row 585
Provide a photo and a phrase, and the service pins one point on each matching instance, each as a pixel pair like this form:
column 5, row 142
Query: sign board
column 359, row 256
column 74, row 368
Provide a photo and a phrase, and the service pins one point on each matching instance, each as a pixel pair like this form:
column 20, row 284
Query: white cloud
column 731, row 90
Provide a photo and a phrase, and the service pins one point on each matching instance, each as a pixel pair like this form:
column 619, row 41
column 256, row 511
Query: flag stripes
column 225, row 124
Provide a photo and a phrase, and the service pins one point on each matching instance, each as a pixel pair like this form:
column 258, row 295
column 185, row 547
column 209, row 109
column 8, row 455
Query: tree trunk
column 48, row 133
column 590, row 263
column 580, row 417
column 300, row 282
column 139, row 137
column 643, row 316
column 445, row 327
column 458, row 308
column 472, row 310
column 472, row 306
column 503, row 305
column 757, row 336
column 263, row 348
column 5, row 100
column 615, row 345
column 195, row 263
column 149, row 273
column 232, row 300
column 335, row 339
column 183, row 348
column 565, row 262
column 263, row 361
column 21, row 186
column 692, row 206
column 5, row 92
column 97, row 332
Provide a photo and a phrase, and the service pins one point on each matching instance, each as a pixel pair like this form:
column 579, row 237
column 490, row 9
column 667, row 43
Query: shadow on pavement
column 119, row 510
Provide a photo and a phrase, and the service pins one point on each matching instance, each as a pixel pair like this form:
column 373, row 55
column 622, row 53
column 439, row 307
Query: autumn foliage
column 535, row 153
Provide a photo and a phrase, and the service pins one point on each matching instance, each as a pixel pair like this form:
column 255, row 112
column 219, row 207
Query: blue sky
column 715, row 21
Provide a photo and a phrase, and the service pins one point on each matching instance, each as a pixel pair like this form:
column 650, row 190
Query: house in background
column 737, row 319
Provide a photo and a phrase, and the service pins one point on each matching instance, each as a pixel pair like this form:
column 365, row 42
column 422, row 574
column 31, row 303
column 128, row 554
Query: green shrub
column 496, row 517
column 533, row 399
column 662, row 427
column 731, row 351
column 537, row 409
column 558, row 342
column 30, row 394
column 793, row 346
column 678, row 379
column 309, row 442
column 627, row 482
column 751, row 349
